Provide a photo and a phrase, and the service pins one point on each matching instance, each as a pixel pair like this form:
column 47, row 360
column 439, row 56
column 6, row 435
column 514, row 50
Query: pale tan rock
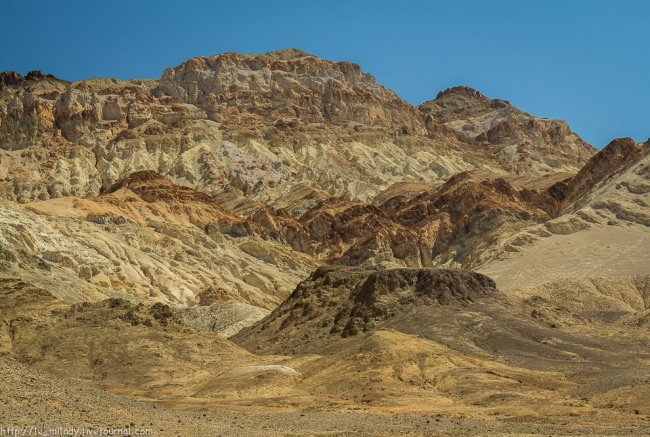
column 523, row 144
column 296, row 128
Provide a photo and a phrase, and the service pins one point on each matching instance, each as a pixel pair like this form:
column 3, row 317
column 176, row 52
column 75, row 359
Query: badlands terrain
column 276, row 244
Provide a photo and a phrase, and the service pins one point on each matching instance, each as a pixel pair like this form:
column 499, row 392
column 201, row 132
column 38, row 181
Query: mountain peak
column 287, row 54
column 461, row 91
column 288, row 84
column 11, row 78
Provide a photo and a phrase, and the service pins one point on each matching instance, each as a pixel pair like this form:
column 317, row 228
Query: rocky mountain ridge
column 283, row 125
column 515, row 138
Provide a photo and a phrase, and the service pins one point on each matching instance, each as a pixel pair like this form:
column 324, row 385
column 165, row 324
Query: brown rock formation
column 340, row 302
column 619, row 155
column 288, row 88
column 436, row 227
column 297, row 126
column 514, row 138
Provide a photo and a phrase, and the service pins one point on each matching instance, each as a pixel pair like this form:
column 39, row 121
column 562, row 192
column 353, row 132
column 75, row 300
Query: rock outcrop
column 288, row 89
column 340, row 302
column 612, row 160
column 517, row 140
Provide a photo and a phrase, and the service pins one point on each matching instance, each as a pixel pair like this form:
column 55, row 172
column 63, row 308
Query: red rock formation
column 437, row 226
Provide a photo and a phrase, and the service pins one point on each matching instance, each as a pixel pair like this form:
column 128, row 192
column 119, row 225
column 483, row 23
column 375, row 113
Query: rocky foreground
column 277, row 244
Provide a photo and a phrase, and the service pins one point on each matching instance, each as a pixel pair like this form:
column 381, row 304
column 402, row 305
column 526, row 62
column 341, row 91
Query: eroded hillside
column 280, row 236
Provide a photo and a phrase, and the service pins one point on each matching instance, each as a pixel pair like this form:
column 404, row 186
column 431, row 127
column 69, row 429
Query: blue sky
column 585, row 61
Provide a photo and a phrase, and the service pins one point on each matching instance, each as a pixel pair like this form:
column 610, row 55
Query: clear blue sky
column 585, row 61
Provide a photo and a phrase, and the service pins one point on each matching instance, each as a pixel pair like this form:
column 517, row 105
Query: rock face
column 517, row 140
column 285, row 128
column 288, row 89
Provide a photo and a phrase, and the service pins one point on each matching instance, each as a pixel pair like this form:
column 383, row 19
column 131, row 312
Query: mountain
column 278, row 239
column 518, row 141
column 277, row 159
column 274, row 126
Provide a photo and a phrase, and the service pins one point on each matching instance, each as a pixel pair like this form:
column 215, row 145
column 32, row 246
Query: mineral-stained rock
column 438, row 226
column 285, row 128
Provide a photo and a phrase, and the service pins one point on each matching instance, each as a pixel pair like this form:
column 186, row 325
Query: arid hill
column 278, row 240
column 283, row 125
column 430, row 342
